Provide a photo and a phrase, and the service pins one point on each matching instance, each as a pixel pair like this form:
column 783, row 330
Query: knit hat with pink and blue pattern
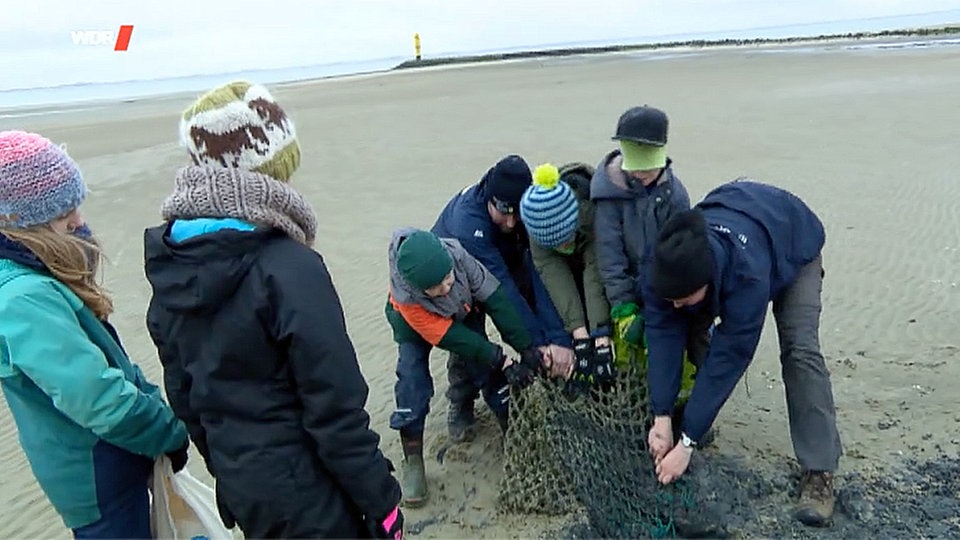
column 38, row 180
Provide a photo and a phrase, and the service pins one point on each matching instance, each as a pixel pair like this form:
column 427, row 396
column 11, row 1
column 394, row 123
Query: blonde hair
column 71, row 259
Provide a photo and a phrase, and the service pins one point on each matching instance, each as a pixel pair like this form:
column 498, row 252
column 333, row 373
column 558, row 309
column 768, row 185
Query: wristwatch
column 687, row 442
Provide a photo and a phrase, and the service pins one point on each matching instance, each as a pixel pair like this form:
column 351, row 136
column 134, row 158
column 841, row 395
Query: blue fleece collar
column 185, row 229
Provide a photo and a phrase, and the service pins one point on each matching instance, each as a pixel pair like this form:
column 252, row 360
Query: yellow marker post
column 416, row 44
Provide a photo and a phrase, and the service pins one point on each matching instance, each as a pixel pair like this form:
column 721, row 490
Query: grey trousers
column 813, row 420
column 462, row 389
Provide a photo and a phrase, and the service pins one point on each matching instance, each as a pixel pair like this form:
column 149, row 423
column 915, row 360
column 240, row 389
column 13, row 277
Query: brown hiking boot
column 816, row 499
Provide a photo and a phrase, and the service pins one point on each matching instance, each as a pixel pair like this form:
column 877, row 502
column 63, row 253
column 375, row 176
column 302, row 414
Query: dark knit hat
column 422, row 260
column 505, row 183
column 682, row 260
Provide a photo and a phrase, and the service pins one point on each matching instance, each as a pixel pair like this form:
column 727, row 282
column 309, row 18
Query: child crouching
column 438, row 297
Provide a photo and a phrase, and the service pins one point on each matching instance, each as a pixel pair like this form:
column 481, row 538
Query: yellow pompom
column 546, row 176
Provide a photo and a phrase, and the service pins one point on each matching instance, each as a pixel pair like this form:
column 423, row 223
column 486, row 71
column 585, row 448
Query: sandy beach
column 866, row 137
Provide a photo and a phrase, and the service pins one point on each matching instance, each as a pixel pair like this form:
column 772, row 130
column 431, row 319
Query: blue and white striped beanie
column 549, row 208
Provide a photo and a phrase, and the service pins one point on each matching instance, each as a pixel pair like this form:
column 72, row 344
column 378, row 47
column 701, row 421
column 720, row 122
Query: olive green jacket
column 561, row 273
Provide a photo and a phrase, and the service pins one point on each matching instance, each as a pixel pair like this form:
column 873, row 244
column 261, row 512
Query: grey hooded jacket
column 413, row 315
column 472, row 282
column 627, row 221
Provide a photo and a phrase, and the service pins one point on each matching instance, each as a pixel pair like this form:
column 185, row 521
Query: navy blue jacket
column 627, row 219
column 466, row 219
column 760, row 237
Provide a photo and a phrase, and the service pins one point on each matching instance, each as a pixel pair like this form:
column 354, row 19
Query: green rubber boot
column 414, row 480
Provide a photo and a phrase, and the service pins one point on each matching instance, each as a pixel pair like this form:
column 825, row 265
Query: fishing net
column 587, row 459
column 589, row 454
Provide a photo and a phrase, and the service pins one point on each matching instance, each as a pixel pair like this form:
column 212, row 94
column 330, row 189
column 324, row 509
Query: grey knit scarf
column 237, row 193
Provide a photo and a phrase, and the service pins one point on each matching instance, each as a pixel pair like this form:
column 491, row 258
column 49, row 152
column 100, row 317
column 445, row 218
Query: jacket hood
column 402, row 291
column 610, row 182
column 462, row 293
column 198, row 274
column 578, row 176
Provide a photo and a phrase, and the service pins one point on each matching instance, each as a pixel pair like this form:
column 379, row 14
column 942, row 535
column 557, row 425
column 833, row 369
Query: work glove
column 604, row 366
column 583, row 352
column 583, row 371
column 178, row 457
column 634, row 332
column 630, row 314
column 624, row 310
column 391, row 526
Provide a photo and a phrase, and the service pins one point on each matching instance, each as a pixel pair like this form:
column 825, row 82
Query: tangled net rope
column 590, row 454
column 588, row 458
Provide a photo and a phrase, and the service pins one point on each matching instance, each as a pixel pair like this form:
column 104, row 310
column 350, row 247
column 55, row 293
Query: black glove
column 533, row 359
column 178, row 457
column 583, row 351
column 519, row 374
column 604, row 366
column 390, row 526
column 583, row 371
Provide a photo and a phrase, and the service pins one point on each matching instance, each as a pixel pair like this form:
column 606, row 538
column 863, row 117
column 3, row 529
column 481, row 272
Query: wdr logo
column 119, row 39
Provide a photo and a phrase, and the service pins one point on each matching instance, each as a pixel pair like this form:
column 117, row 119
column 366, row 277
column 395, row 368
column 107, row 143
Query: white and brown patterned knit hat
column 240, row 126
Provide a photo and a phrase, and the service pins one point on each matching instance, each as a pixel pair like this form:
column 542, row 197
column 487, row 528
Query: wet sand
column 866, row 137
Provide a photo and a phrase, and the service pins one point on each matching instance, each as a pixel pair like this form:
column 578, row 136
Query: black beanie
column 682, row 260
column 507, row 180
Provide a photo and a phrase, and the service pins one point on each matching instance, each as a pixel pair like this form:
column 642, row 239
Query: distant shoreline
column 10, row 113
column 686, row 44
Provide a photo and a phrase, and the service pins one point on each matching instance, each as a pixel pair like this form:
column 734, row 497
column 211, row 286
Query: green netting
column 590, row 454
column 587, row 459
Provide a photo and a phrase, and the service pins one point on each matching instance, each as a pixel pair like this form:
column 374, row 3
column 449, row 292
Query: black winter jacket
column 258, row 364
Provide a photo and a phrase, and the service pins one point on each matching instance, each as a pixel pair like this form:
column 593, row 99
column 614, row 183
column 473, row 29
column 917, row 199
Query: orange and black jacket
column 439, row 321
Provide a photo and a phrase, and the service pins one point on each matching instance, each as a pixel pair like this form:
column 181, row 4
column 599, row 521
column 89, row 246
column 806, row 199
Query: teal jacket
column 83, row 410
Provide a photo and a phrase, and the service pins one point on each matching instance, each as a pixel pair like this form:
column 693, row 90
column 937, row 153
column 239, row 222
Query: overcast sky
column 188, row 37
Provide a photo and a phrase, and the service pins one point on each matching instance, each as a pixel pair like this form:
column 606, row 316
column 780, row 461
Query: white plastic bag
column 183, row 507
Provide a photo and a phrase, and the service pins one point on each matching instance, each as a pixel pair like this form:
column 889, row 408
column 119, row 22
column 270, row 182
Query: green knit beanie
column 239, row 125
column 422, row 260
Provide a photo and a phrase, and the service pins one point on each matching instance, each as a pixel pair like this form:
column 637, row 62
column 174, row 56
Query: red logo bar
column 123, row 37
